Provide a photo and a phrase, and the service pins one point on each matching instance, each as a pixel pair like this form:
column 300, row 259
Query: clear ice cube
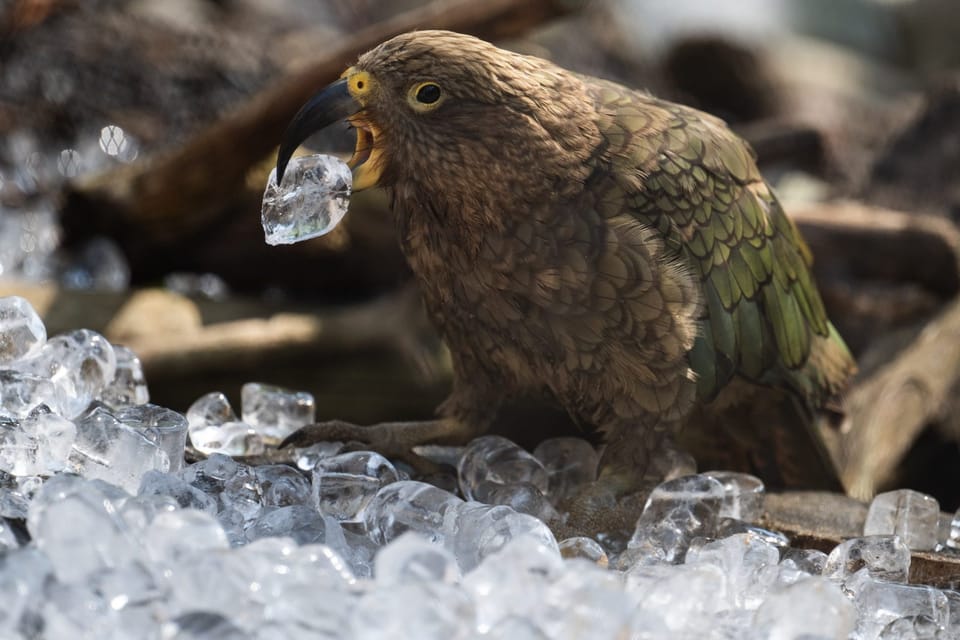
column 22, row 392
column 881, row 604
column 156, row 483
column 39, row 445
column 80, row 364
column 215, row 428
column 409, row 505
column 749, row 563
column 109, row 450
column 22, row 332
column 570, row 463
column 743, row 495
column 676, row 512
column 344, row 484
column 282, row 485
column 911, row 515
column 76, row 524
column 311, row 201
column 275, row 412
column 495, row 459
column 300, row 522
column 129, row 386
column 481, row 530
column 164, row 427
column 411, row 558
column 810, row 608
column 884, row 557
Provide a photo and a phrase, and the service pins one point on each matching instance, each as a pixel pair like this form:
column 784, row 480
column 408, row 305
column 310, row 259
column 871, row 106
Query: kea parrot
column 576, row 238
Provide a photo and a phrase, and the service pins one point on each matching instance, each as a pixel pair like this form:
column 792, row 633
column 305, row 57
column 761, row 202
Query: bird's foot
column 394, row 440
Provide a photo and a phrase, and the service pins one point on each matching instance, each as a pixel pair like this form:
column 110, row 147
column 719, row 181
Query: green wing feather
column 690, row 178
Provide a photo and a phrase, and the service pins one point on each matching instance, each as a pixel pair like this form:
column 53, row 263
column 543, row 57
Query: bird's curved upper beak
column 332, row 104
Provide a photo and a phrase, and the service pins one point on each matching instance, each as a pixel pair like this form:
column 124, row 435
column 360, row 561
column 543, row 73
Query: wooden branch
column 888, row 409
column 183, row 189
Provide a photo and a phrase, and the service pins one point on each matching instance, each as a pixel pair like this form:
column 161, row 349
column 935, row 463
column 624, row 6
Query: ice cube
column 311, row 201
column 494, row 459
column 570, row 463
column 22, row 392
column 810, row 608
column 22, row 333
column 301, row 522
column 743, row 495
column 481, row 530
column 282, row 485
column 676, row 512
column 164, row 427
column 129, row 386
column 422, row 610
column 344, row 484
column 39, row 445
column 519, row 496
column 275, row 412
column 882, row 604
column 408, row 505
column 410, row 558
column 80, row 364
column 155, row 483
column 112, row 451
column 202, row 625
column 215, row 428
column 911, row 515
column 884, row 557
column 76, row 524
column 749, row 563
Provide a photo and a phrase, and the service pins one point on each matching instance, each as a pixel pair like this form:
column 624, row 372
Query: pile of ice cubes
column 106, row 534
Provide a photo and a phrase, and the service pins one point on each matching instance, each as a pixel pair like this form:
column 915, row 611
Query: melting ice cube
column 311, row 201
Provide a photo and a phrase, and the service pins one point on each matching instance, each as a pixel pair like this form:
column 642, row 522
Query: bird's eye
column 428, row 93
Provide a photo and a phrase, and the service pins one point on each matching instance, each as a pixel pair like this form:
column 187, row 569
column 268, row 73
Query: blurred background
column 136, row 138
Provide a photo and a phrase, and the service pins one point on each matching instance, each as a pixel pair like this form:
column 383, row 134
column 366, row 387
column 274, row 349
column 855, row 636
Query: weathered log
column 891, row 405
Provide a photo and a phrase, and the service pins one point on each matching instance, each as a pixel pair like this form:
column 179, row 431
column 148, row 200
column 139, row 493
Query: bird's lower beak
column 333, row 104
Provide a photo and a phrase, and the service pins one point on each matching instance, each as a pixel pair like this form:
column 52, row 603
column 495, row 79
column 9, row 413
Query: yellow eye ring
column 425, row 96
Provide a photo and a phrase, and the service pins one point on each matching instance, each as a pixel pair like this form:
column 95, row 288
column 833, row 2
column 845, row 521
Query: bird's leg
column 391, row 439
column 463, row 416
column 635, row 460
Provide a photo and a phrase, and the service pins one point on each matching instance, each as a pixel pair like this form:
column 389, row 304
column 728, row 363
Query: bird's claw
column 355, row 437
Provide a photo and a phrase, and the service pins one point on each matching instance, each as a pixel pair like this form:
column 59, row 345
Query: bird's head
column 455, row 114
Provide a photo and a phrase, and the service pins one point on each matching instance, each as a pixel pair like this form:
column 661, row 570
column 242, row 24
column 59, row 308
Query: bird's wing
column 695, row 182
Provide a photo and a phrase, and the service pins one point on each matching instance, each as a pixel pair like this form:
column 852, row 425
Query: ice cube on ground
column 129, row 386
column 22, row 332
column 571, row 463
column 214, row 428
column 80, row 364
column 275, row 412
column 38, row 445
column 676, row 512
column 21, row 393
column 911, row 515
column 495, row 459
column 583, row 547
column 344, row 484
column 884, row 558
column 108, row 449
column 312, row 200
column 743, row 495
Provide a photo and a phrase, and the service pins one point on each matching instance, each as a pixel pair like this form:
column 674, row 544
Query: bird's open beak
column 332, row 104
